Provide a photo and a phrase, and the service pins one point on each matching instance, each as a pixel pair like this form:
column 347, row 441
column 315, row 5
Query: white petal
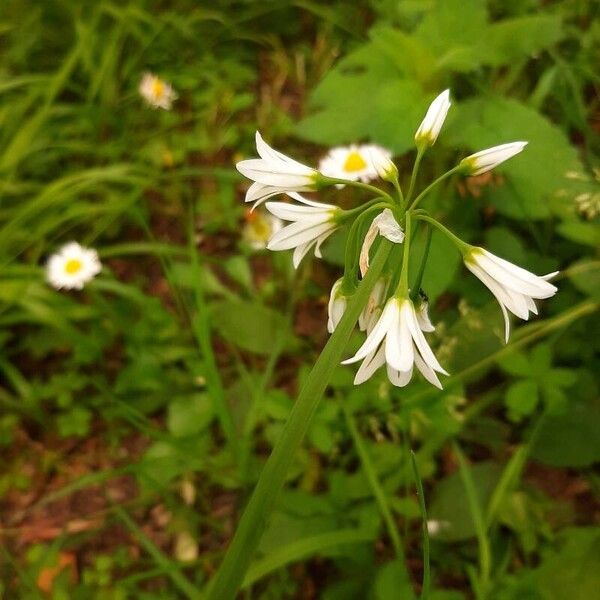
column 369, row 365
column 378, row 332
column 427, row 372
column 293, row 212
column 298, row 233
column 419, row 338
column 399, row 378
column 398, row 345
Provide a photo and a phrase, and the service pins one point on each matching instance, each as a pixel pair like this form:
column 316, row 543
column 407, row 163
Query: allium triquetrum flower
column 275, row 173
column 434, row 119
column 156, row 92
column 354, row 163
column 259, row 228
column 310, row 226
column 485, row 160
column 72, row 267
column 397, row 339
column 514, row 287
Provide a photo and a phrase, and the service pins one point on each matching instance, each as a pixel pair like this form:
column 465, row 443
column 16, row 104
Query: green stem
column 426, row 566
column 415, row 170
column 419, row 279
column 403, row 285
column 432, row 185
column 375, row 485
column 359, row 184
column 462, row 246
column 241, row 550
column 399, row 192
column 485, row 558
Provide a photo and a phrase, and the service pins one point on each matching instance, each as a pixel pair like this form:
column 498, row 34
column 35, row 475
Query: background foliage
column 136, row 414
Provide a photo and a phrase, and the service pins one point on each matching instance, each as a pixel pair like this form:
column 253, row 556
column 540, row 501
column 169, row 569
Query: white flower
column 434, row 119
column 486, row 160
column 396, row 339
column 354, row 163
column 259, row 228
column 72, row 267
column 275, row 173
column 156, row 92
column 336, row 307
column 386, row 225
column 311, row 225
column 514, row 287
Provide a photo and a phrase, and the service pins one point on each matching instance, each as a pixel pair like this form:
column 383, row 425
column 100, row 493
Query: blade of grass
column 426, row 590
column 302, row 549
column 170, row 567
column 375, row 485
column 485, row 559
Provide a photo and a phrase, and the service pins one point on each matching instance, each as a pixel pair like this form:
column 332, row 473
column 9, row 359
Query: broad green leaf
column 521, row 399
column 585, row 275
column 570, row 439
column 534, row 175
column 520, row 38
column 391, row 583
column 190, row 415
column 449, row 506
column 249, row 325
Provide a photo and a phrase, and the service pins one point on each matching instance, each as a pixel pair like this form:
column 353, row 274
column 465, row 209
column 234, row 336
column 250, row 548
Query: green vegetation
column 136, row 414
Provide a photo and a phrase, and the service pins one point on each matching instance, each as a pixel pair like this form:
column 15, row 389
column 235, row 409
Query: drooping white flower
column 275, row 173
column 431, row 125
column 485, row 160
column 311, row 224
column 354, row 163
column 336, row 307
column 383, row 224
column 513, row 287
column 259, row 228
column 396, row 339
column 156, row 92
column 72, row 267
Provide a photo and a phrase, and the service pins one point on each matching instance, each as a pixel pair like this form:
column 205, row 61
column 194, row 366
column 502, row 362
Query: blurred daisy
column 259, row 228
column 72, row 267
column 355, row 163
column 156, row 92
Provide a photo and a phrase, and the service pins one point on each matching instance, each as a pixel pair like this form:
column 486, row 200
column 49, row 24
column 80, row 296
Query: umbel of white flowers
column 395, row 317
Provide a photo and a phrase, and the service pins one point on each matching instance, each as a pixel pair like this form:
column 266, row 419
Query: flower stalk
column 241, row 550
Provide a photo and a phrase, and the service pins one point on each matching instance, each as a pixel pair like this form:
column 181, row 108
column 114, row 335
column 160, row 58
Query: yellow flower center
column 354, row 162
column 72, row 266
column 261, row 228
column 158, row 88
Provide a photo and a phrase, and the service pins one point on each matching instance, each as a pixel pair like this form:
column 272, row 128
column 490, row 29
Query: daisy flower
column 156, row 92
column 72, row 267
column 275, row 173
column 311, row 224
column 259, row 228
column 514, row 288
column 354, row 163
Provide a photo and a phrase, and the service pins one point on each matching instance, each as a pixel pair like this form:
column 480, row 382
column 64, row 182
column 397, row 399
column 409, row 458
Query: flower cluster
column 395, row 316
